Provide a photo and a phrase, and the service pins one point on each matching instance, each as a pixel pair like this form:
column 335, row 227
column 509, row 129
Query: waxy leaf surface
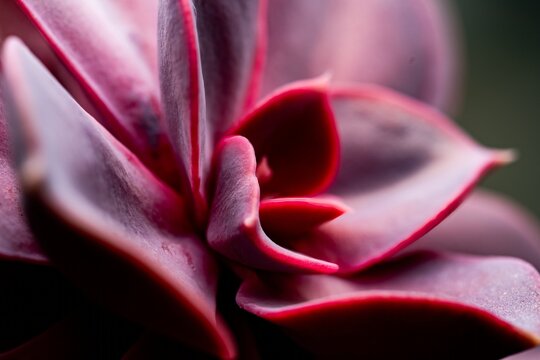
column 294, row 135
column 106, row 57
column 425, row 305
column 487, row 224
column 16, row 239
column 234, row 228
column 404, row 167
column 104, row 219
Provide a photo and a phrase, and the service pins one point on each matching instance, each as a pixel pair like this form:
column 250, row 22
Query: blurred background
column 501, row 103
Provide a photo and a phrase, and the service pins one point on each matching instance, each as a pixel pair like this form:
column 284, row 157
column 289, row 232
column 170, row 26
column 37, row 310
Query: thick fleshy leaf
column 427, row 306
column 404, row 168
column 294, row 135
column 230, row 36
column 288, row 216
column 487, row 224
column 16, row 239
column 113, row 71
column 407, row 45
column 234, row 227
column 209, row 63
column 183, row 92
column 14, row 22
column 104, row 219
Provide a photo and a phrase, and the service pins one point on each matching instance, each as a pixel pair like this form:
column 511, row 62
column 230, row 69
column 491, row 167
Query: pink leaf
column 406, row 45
column 487, row 224
column 183, row 93
column 232, row 48
column 234, row 228
column 404, row 168
column 294, row 131
column 209, row 57
column 112, row 72
column 16, row 239
column 104, row 219
column 425, row 305
column 289, row 216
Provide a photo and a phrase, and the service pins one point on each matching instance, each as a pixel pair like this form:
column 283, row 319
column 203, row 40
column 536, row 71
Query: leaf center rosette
column 268, row 174
column 324, row 179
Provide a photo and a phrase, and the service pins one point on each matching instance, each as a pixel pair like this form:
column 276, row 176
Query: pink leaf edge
column 404, row 168
column 104, row 219
column 234, row 228
column 473, row 299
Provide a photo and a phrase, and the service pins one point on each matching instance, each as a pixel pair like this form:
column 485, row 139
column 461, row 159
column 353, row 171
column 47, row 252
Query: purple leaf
column 292, row 216
column 294, row 135
column 183, row 94
column 406, row 45
column 404, row 168
column 113, row 72
column 230, row 37
column 104, row 219
column 234, row 228
column 424, row 305
column 207, row 72
column 16, row 239
column 487, row 224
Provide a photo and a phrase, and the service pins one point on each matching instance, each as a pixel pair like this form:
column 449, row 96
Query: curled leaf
column 294, row 135
column 234, row 228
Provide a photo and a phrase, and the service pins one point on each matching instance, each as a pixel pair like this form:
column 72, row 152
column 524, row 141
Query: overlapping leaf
column 404, row 168
column 487, row 224
column 424, row 305
column 16, row 239
column 112, row 72
column 104, row 219
column 405, row 45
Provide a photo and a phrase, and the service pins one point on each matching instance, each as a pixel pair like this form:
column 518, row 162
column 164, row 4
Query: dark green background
column 501, row 99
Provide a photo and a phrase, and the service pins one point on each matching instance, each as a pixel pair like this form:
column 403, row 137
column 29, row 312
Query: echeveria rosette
column 150, row 174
